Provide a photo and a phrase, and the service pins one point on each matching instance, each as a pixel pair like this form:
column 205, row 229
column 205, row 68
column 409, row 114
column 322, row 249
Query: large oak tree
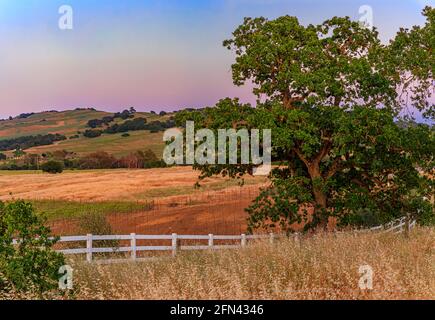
column 333, row 96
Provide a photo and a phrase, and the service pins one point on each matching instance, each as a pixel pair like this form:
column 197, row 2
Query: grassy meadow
column 114, row 144
column 119, row 185
column 60, row 209
column 70, row 122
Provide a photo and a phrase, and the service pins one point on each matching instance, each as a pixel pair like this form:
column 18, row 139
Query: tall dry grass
column 320, row 267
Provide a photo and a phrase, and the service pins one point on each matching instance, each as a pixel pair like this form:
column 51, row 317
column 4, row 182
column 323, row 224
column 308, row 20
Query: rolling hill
column 70, row 122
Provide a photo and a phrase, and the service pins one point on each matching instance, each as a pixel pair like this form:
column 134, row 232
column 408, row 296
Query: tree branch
column 301, row 156
column 333, row 169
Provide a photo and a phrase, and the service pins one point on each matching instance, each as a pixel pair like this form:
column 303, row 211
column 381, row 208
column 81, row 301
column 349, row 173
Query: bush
column 97, row 224
column 92, row 133
column 53, row 167
column 2, row 156
column 125, row 135
column 27, row 142
column 155, row 164
column 94, row 123
column 97, row 160
column 124, row 114
column 31, row 265
column 94, row 223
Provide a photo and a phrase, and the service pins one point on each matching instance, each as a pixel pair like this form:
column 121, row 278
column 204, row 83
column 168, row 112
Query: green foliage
column 26, row 142
column 411, row 55
column 56, row 209
column 92, row 133
column 330, row 94
column 140, row 124
column 97, row 160
column 52, row 166
column 97, row 224
column 31, row 264
column 94, row 123
column 314, row 64
column 140, row 159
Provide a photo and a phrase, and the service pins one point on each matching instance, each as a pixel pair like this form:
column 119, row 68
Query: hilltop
column 73, row 123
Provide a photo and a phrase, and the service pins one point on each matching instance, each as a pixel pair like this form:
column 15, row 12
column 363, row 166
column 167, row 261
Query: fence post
column 407, row 225
column 297, row 239
column 174, row 244
column 210, row 241
column 243, row 240
column 133, row 246
column 271, row 238
column 89, row 247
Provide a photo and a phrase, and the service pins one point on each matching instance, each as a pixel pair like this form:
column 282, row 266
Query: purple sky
column 152, row 55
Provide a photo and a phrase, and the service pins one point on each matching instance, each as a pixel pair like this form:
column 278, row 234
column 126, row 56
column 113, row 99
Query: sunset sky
column 152, row 55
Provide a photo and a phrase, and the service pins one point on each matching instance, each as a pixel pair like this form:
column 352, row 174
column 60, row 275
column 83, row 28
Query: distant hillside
column 71, row 122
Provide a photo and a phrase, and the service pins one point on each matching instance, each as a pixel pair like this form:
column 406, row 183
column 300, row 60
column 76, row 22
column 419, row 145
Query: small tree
column 97, row 160
column 53, row 167
column 97, row 224
column 92, row 133
column 30, row 265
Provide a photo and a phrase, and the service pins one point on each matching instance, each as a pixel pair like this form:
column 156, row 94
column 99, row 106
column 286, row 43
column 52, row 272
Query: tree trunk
column 321, row 206
column 320, row 197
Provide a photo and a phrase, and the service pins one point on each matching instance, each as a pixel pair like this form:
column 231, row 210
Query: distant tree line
column 26, row 142
column 94, row 123
column 55, row 162
column 132, row 125
column 124, row 115
column 134, row 160
column 25, row 115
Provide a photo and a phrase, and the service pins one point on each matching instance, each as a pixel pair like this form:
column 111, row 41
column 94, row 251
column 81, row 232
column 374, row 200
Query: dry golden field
column 108, row 185
column 324, row 266
column 154, row 201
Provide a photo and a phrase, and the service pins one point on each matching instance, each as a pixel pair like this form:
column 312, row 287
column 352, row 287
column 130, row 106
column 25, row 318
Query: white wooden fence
column 174, row 239
column 395, row 226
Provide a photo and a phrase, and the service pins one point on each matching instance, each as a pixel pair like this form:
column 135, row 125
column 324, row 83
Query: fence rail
column 396, row 226
column 175, row 246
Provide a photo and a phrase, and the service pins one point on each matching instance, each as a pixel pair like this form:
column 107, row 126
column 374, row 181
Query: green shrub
column 31, row 265
column 53, row 167
column 97, row 224
column 92, row 133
